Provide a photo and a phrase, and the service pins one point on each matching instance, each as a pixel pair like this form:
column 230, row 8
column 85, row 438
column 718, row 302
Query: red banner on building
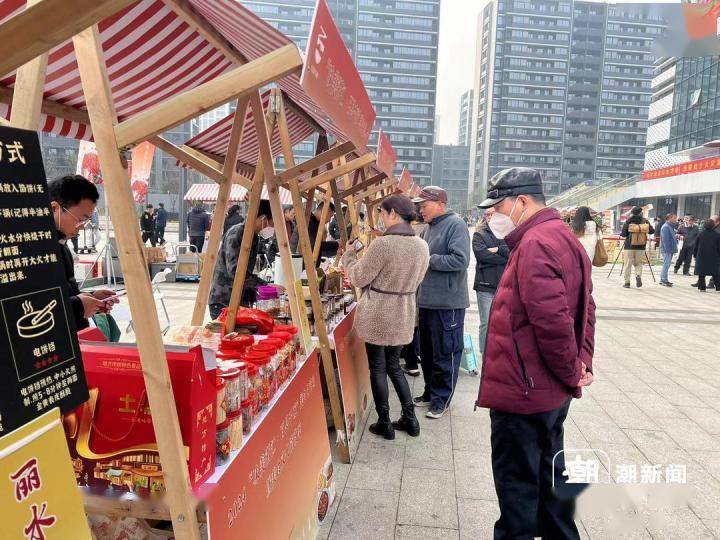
column 330, row 77
column 386, row 156
column 707, row 164
column 405, row 180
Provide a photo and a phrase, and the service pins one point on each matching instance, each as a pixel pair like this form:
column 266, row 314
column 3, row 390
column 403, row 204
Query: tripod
column 647, row 259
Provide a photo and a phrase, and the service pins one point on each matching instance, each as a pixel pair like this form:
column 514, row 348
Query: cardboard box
column 111, row 436
column 155, row 254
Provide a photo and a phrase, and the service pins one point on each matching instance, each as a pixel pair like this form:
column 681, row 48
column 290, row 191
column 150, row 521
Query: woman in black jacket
column 707, row 256
column 492, row 257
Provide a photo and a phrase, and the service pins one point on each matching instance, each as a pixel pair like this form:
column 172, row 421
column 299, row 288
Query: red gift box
column 111, row 436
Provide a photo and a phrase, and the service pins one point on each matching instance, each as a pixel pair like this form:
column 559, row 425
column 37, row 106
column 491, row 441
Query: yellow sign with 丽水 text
column 38, row 493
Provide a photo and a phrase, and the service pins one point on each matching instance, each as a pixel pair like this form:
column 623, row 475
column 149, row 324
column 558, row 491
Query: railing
column 583, row 194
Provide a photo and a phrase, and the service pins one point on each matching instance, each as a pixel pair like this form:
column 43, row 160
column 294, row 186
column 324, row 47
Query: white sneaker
column 435, row 413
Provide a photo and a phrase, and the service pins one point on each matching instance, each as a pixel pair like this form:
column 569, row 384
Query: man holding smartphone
column 72, row 200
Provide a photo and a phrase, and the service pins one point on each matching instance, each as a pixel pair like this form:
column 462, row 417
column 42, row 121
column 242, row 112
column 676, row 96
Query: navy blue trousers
column 441, row 349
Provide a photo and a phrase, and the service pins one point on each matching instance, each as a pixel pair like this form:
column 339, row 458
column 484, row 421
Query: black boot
column 383, row 427
column 408, row 422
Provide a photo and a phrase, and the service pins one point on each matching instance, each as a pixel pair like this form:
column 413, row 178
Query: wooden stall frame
column 26, row 39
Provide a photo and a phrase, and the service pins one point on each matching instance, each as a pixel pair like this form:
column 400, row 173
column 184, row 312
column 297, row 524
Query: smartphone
column 357, row 245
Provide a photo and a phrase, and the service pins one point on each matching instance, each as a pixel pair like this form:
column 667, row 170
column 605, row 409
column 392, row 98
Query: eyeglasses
column 79, row 222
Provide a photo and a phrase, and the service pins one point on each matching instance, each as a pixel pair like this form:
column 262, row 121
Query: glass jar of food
column 266, row 374
column 221, row 408
column 233, row 392
column 242, row 367
column 270, row 348
column 248, row 415
column 254, row 383
column 222, row 441
column 235, row 429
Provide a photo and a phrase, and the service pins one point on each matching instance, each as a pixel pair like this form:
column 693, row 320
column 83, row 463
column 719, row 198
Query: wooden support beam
column 218, row 221
column 322, row 146
column 325, row 177
column 184, row 10
column 315, row 162
column 202, row 165
column 281, row 233
column 51, row 108
column 357, row 188
column 375, row 189
column 246, row 242
column 320, row 236
column 93, row 74
column 29, row 82
column 46, row 24
column 339, row 216
column 191, row 103
column 320, row 327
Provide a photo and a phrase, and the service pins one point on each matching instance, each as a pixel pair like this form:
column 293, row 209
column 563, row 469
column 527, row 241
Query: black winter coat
column 73, row 289
column 490, row 266
column 707, row 253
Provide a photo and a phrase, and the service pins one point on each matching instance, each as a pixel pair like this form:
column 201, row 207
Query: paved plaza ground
column 656, row 401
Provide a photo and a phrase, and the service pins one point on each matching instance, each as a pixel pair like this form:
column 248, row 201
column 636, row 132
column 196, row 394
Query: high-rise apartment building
column 394, row 44
column 562, row 86
column 450, row 172
column 465, row 118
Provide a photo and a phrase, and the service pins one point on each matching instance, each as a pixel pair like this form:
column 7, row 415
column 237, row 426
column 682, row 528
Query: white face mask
column 266, row 233
column 501, row 225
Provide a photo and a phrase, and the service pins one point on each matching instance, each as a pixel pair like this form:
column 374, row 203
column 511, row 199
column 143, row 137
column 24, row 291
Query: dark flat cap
column 510, row 183
column 431, row 193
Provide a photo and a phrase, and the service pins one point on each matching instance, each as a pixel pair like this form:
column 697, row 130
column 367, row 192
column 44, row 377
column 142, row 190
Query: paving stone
column 707, row 418
column 427, row 499
column 431, row 450
column 681, row 523
column 477, row 518
column 473, row 474
column 471, row 433
column 378, row 466
column 411, row 532
column 599, row 427
column 628, row 415
column 365, row 514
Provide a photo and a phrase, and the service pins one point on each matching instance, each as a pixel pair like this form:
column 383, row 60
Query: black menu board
column 40, row 363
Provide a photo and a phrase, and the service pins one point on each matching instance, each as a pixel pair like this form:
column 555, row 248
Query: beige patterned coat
column 392, row 263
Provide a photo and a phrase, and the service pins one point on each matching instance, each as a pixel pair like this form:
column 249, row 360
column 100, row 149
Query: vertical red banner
column 405, row 181
column 386, row 156
column 142, row 158
column 331, row 79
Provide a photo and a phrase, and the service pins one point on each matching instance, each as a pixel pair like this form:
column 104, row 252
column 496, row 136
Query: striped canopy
column 151, row 55
column 209, row 193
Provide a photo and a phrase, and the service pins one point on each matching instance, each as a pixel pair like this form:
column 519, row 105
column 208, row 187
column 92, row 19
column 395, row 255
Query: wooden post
column 218, row 222
column 28, row 91
column 281, row 235
column 322, row 147
column 320, row 237
column 248, row 232
column 321, row 329
column 339, row 216
column 179, row 496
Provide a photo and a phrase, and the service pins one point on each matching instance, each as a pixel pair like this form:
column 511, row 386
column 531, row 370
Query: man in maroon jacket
column 538, row 356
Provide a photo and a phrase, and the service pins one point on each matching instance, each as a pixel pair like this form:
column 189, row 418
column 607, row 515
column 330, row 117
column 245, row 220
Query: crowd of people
column 533, row 289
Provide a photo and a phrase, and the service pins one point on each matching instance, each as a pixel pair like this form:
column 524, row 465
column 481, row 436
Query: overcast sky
column 456, row 60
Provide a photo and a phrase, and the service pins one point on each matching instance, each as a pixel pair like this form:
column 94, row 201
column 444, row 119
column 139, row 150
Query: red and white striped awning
column 151, row 55
column 254, row 38
column 208, row 193
column 215, row 139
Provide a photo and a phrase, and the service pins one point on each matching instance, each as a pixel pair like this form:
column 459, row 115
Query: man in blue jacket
column 442, row 299
column 668, row 247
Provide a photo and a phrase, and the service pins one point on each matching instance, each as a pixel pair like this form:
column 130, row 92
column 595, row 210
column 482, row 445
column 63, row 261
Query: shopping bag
column 469, row 360
column 600, row 258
